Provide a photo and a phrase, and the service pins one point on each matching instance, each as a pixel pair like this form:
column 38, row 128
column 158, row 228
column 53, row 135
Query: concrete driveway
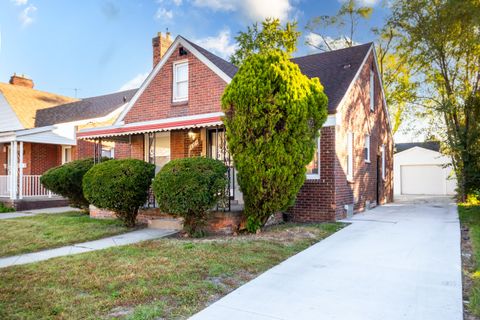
column 398, row 261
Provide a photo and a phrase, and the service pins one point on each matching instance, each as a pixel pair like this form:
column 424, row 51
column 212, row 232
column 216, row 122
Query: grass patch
column 166, row 278
column 5, row 209
column 470, row 216
column 30, row 234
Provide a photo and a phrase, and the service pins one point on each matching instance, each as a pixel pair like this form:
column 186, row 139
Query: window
column 180, row 81
column 383, row 162
column 367, row 148
column 350, row 156
column 66, row 154
column 313, row 168
column 372, row 91
column 157, row 149
column 108, row 152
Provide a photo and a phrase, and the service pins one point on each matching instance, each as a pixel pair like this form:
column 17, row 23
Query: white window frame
column 316, row 176
column 367, row 147
column 350, row 156
column 65, row 148
column 383, row 163
column 372, row 90
column 175, row 83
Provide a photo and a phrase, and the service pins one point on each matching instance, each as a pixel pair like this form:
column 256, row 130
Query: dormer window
column 180, row 81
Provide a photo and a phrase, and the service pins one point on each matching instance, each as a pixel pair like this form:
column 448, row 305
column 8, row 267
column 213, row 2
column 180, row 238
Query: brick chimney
column 22, row 81
column 160, row 46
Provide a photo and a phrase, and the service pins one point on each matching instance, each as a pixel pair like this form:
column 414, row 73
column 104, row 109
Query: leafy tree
column 349, row 15
column 441, row 39
column 273, row 114
column 190, row 187
column 270, row 36
column 120, row 186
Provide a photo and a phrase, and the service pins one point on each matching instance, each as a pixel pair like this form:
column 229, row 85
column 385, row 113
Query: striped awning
column 178, row 123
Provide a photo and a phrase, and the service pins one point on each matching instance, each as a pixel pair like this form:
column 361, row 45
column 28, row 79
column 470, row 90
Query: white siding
column 8, row 118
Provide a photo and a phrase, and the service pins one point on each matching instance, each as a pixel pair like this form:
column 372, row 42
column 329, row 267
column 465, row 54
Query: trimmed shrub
column 120, row 186
column 189, row 188
column 66, row 181
column 5, row 209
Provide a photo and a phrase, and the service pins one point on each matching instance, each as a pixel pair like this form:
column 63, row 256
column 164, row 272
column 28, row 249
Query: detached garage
column 420, row 169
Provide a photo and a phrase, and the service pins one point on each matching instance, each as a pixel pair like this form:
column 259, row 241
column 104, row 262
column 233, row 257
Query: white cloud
column 334, row 43
column 163, row 14
column 177, row 2
column 135, row 82
column 26, row 16
column 253, row 10
column 20, row 2
column 221, row 44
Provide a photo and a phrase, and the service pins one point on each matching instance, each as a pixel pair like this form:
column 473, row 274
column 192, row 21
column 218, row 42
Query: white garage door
column 427, row 179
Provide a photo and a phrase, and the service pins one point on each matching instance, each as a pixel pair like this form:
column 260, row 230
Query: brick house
column 177, row 113
column 38, row 132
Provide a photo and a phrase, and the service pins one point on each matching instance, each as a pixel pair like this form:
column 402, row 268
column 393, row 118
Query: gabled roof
column 88, row 108
column 335, row 69
column 429, row 145
column 25, row 102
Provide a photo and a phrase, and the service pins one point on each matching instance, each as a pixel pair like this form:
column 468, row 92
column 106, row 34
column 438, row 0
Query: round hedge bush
column 189, row 188
column 120, row 186
column 66, row 181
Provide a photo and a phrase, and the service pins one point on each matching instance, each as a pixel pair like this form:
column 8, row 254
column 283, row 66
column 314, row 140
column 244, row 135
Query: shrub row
column 187, row 187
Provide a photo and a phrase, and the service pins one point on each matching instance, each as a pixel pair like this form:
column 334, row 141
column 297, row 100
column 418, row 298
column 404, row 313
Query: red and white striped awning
column 178, row 123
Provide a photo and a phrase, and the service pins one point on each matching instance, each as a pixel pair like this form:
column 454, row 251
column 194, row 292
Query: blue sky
column 102, row 46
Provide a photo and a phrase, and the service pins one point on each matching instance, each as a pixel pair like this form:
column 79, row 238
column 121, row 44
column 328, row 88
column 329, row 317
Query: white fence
column 4, row 186
column 30, row 187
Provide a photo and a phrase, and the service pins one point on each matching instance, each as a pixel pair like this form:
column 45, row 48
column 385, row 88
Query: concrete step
column 166, row 223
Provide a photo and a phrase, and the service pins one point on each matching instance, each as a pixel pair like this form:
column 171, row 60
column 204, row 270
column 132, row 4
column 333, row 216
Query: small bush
column 66, row 181
column 474, row 198
column 120, row 186
column 5, row 209
column 189, row 188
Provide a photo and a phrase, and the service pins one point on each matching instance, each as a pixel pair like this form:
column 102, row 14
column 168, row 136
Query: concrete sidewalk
column 29, row 213
column 118, row 240
column 399, row 261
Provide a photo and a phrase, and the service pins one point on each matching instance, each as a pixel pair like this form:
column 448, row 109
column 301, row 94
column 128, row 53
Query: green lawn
column 166, row 278
column 29, row 234
column 470, row 216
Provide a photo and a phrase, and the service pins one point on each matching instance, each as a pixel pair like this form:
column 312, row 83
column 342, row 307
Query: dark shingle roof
column 430, row 145
column 227, row 67
column 88, row 108
column 335, row 69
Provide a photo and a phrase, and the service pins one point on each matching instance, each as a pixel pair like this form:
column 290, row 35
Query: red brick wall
column 83, row 149
column 316, row 199
column 3, row 159
column 183, row 146
column 44, row 157
column 357, row 118
column 205, row 90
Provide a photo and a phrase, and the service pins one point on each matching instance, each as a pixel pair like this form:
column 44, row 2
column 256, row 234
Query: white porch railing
column 4, row 186
column 31, row 187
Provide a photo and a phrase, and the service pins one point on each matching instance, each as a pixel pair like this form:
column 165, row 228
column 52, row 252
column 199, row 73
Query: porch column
column 20, row 171
column 13, row 170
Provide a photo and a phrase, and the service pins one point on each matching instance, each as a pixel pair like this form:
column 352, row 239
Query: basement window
column 180, row 81
column 313, row 168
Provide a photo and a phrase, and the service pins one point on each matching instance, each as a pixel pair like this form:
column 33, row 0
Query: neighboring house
column 177, row 113
column 38, row 132
column 420, row 169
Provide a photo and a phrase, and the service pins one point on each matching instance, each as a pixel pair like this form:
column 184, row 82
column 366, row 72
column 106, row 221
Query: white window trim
column 316, row 176
column 372, row 90
column 64, row 148
column 174, row 86
column 350, row 156
column 367, row 146
column 383, row 163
